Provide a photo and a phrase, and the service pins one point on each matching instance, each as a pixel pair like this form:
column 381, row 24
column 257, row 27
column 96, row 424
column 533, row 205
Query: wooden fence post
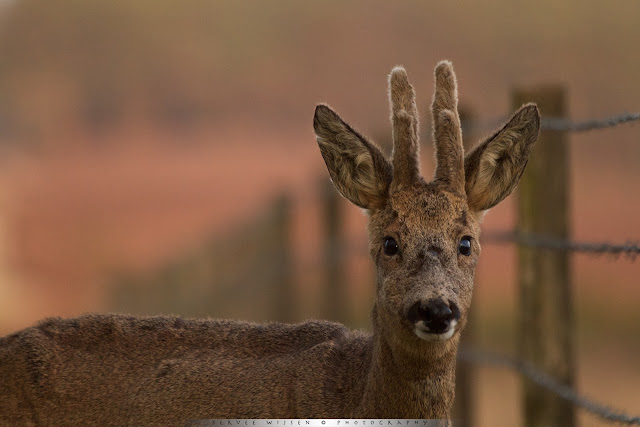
column 284, row 302
column 546, row 315
column 336, row 307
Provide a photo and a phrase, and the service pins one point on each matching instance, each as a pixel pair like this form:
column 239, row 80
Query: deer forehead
column 427, row 211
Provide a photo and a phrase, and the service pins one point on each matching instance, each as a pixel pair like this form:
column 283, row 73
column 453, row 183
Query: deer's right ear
column 493, row 168
column 358, row 169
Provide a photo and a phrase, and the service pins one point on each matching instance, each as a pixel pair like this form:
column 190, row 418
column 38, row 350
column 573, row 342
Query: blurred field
column 132, row 134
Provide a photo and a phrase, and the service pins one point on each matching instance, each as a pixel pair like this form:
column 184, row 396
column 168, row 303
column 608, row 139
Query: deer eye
column 465, row 246
column 390, row 246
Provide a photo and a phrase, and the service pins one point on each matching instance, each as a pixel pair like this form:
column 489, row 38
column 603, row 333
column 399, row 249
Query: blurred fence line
column 214, row 278
column 546, row 361
column 474, row 356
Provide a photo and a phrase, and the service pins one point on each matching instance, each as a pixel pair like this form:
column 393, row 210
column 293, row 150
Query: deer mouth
column 425, row 333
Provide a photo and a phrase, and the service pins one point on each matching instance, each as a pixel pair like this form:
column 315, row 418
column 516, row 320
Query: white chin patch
column 423, row 332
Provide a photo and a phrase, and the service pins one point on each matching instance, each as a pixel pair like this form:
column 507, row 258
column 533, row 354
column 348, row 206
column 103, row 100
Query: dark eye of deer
column 390, row 246
column 465, row 246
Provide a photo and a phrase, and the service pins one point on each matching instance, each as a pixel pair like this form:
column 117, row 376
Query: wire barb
column 475, row 356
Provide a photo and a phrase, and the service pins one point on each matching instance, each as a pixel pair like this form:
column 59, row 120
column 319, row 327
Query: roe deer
column 117, row 369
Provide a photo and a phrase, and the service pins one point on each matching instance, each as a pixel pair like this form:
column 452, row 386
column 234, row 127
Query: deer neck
column 409, row 382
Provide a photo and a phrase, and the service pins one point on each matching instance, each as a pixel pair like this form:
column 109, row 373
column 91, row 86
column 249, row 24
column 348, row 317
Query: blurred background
column 158, row 157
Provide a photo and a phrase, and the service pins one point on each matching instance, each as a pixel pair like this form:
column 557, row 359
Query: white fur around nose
column 422, row 331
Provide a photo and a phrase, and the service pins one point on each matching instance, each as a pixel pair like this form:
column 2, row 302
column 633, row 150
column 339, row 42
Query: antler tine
column 447, row 130
column 404, row 120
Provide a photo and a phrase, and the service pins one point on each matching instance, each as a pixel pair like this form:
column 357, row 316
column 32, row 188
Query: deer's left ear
column 493, row 168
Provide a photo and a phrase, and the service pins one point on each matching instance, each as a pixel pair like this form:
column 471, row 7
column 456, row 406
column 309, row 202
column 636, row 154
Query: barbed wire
column 558, row 124
column 629, row 250
column 546, row 381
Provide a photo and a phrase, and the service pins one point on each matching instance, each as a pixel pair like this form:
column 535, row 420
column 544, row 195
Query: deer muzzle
column 434, row 319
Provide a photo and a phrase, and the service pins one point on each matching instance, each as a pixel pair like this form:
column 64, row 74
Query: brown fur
column 117, row 369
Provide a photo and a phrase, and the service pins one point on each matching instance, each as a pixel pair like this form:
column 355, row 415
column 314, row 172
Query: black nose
column 436, row 314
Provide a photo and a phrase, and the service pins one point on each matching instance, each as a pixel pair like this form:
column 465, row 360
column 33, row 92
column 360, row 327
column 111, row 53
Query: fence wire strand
column 561, row 124
column 629, row 250
column 556, row 124
column 548, row 382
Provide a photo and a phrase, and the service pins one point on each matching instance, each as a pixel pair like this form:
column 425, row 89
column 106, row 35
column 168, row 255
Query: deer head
column 424, row 236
